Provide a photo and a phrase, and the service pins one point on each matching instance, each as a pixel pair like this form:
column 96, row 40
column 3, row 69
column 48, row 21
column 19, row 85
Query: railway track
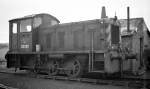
column 137, row 84
column 134, row 83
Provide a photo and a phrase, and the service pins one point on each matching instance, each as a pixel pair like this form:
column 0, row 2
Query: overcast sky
column 70, row 10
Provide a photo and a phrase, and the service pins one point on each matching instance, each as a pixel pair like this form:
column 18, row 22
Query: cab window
column 25, row 25
column 14, row 28
column 37, row 22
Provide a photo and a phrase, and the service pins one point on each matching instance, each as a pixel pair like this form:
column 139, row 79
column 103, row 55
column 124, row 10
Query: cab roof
column 34, row 15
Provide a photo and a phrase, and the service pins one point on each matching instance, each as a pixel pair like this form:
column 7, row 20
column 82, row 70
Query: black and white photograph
column 75, row 44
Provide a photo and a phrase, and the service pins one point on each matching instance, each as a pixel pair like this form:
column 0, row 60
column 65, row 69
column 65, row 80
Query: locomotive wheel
column 74, row 68
column 52, row 68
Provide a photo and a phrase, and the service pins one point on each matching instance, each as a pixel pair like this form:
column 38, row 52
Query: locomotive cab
column 24, row 31
column 24, row 34
column 21, row 35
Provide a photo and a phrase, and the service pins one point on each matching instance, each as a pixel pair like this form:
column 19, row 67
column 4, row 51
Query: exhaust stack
column 103, row 13
column 128, row 19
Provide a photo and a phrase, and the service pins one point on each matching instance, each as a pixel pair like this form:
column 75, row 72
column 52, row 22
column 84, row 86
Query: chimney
column 128, row 19
column 103, row 13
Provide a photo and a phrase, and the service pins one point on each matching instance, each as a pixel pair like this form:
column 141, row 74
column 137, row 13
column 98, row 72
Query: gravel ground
column 23, row 82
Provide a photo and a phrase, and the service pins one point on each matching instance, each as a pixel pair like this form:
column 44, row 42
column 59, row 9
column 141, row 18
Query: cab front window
column 25, row 25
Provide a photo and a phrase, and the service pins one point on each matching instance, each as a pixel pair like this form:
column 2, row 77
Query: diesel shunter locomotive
column 108, row 45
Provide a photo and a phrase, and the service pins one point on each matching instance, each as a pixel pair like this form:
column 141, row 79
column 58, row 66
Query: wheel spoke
column 74, row 67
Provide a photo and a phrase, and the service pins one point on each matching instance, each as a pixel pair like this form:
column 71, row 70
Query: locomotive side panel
column 62, row 38
column 74, row 37
column 45, row 39
column 81, row 38
column 78, row 37
column 95, row 33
